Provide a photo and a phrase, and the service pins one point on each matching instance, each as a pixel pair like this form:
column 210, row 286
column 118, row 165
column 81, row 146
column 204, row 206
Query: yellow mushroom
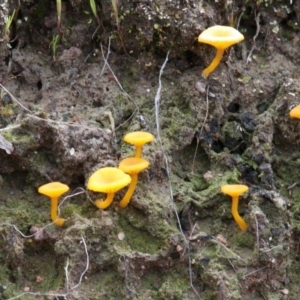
column 295, row 112
column 107, row 180
column 221, row 37
column 139, row 139
column 132, row 166
column 235, row 190
column 54, row 190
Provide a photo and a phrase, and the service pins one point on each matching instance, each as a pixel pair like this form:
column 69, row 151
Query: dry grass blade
column 115, row 8
column 58, row 10
column 94, row 11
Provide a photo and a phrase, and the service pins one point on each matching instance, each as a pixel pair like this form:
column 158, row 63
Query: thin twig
column 227, row 249
column 106, row 64
column 67, row 274
column 10, row 127
column 107, row 55
column 30, row 113
column 232, row 265
column 157, row 119
column 14, row 98
column 68, row 290
column 271, row 249
column 67, row 279
column 21, row 233
column 202, row 126
column 251, row 273
column 257, row 19
column 47, row 225
column 82, row 191
column 239, row 19
column 257, row 234
column 86, row 267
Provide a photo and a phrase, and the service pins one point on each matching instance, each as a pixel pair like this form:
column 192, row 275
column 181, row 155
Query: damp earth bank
column 79, row 102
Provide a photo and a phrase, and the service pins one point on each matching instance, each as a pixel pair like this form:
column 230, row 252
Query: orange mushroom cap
column 138, row 138
column 234, row 190
column 295, row 112
column 220, row 36
column 108, row 180
column 133, row 165
column 53, row 189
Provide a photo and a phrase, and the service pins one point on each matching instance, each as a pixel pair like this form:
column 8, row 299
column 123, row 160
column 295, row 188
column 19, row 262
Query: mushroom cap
column 138, row 138
column 220, row 36
column 108, row 180
column 234, row 190
column 53, row 189
column 295, row 112
column 133, row 165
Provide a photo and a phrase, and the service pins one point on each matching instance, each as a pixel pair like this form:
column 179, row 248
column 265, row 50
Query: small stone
column 178, row 248
column 121, row 236
column 208, row 176
column 200, row 87
column 6, row 145
column 284, row 292
column 221, row 239
column 39, row 279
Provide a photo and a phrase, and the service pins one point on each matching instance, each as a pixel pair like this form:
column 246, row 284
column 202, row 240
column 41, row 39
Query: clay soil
column 70, row 93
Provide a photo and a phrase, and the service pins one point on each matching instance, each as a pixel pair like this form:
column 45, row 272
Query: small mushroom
column 221, row 37
column 107, row 180
column 235, row 190
column 132, row 166
column 54, row 190
column 138, row 139
column 295, row 112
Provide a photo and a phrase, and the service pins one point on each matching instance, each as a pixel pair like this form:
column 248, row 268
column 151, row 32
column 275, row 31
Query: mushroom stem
column 54, row 217
column 106, row 202
column 234, row 209
column 214, row 63
column 124, row 202
column 138, row 151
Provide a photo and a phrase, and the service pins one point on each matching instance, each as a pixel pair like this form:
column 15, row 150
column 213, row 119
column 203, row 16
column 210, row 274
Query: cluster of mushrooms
column 107, row 180
column 110, row 180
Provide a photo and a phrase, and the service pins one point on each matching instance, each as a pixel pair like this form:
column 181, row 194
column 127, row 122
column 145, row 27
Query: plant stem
column 234, row 209
column 126, row 199
column 102, row 204
column 214, row 63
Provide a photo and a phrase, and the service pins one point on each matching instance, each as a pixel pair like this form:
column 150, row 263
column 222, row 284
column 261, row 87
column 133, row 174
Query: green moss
column 198, row 182
column 6, row 111
column 139, row 239
column 68, row 210
column 175, row 286
column 105, row 284
column 43, row 265
column 244, row 239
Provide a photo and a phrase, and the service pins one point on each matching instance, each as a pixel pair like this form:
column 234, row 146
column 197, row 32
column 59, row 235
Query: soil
column 69, row 94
